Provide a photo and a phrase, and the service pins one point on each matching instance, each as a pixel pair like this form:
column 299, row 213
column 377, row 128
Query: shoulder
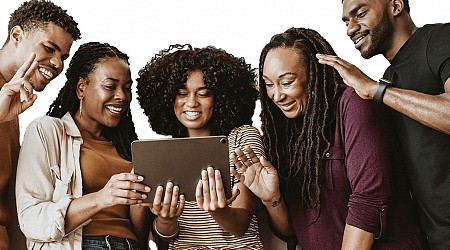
column 352, row 107
column 46, row 123
column 244, row 130
column 350, row 99
column 54, row 126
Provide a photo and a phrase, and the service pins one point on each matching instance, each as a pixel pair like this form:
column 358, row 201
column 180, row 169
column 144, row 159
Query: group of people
column 344, row 161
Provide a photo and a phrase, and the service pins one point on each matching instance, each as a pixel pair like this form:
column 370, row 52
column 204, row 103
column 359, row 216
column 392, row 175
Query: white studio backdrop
column 141, row 28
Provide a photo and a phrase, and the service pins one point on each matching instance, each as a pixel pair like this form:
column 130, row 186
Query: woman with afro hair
column 191, row 92
column 74, row 186
column 331, row 173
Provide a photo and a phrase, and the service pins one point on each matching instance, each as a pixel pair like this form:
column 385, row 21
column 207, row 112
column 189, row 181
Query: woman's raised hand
column 258, row 174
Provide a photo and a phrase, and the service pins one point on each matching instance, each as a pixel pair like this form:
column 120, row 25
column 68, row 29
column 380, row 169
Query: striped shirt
column 198, row 230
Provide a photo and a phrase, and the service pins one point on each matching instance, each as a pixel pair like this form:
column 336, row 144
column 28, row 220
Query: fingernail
column 140, row 178
column 147, row 189
column 144, row 196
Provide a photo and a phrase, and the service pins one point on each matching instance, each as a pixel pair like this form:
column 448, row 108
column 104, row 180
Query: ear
column 398, row 6
column 16, row 34
column 81, row 87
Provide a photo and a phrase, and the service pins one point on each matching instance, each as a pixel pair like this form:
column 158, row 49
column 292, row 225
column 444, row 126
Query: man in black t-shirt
column 416, row 90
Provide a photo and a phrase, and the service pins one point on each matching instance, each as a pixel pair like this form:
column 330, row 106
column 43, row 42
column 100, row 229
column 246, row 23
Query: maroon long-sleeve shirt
column 359, row 188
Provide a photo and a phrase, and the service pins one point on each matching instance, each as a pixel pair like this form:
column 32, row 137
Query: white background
column 141, row 28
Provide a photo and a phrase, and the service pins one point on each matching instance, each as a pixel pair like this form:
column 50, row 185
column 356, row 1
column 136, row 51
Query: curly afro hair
column 231, row 81
column 35, row 14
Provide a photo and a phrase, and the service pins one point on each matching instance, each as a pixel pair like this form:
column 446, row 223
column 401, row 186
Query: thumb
column 234, row 194
column 26, row 104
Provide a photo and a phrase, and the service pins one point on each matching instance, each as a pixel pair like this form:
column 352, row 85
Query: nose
column 191, row 101
column 56, row 63
column 120, row 94
column 352, row 27
column 277, row 94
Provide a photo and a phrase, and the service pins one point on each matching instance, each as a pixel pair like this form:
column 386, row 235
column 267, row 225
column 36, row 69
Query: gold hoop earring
column 81, row 106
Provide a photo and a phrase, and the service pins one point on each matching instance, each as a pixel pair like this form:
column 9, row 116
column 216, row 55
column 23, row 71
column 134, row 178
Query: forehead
column 350, row 6
column 282, row 59
column 54, row 34
column 195, row 79
column 112, row 67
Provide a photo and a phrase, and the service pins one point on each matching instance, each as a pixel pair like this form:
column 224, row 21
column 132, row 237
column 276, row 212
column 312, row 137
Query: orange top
column 9, row 154
column 99, row 160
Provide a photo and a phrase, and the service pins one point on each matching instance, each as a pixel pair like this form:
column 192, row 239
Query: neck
column 93, row 131
column 404, row 28
column 199, row 133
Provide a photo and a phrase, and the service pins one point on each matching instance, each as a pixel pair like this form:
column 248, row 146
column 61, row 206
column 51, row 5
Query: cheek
column 270, row 94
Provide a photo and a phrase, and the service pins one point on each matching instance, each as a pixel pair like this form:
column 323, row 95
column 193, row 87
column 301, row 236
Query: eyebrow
column 58, row 48
column 115, row 80
column 352, row 11
column 282, row 75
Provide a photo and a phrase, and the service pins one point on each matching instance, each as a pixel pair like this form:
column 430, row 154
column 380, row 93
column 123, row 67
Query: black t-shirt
column 423, row 65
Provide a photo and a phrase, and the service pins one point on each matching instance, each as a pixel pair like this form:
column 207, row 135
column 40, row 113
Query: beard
column 380, row 38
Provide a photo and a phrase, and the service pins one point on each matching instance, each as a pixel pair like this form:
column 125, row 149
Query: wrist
column 163, row 235
column 383, row 84
column 278, row 199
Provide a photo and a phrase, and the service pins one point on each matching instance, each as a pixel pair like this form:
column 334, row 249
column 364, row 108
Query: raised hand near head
column 11, row 104
column 364, row 86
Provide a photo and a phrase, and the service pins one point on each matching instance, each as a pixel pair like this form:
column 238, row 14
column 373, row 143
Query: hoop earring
column 81, row 106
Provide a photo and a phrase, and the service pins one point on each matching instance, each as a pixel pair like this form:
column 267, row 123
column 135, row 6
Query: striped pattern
column 198, row 230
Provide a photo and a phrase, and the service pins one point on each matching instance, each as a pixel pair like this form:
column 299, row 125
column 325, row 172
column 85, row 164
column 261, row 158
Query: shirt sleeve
column 367, row 163
column 249, row 136
column 41, row 200
column 438, row 53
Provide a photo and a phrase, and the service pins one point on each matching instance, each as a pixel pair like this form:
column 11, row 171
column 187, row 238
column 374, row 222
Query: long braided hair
column 83, row 62
column 297, row 146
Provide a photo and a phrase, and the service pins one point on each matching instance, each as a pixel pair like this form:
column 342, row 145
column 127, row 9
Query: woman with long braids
column 330, row 183
column 192, row 92
column 74, row 186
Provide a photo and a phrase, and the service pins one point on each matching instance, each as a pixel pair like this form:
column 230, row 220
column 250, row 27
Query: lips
column 191, row 115
column 46, row 73
column 358, row 39
column 286, row 106
column 115, row 109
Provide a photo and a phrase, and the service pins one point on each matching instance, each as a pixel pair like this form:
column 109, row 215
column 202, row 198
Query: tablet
column 181, row 161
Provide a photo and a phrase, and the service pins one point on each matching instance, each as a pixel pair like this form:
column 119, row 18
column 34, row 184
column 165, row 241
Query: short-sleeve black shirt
column 423, row 65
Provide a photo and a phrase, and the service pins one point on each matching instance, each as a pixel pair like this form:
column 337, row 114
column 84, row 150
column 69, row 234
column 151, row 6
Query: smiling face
column 194, row 105
column 284, row 74
column 106, row 95
column 369, row 26
column 51, row 44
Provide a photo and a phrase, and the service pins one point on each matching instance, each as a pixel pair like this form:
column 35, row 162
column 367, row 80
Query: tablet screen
column 181, row 161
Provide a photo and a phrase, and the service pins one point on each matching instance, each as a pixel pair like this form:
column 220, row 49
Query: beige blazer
column 48, row 179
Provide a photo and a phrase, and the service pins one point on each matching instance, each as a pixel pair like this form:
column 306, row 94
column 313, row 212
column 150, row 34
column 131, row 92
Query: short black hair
column 230, row 79
column 36, row 14
column 405, row 2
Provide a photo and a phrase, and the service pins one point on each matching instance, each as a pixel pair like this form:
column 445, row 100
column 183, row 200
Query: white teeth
column 192, row 113
column 114, row 109
column 359, row 39
column 47, row 74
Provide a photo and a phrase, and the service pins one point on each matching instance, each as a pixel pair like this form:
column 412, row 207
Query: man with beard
column 416, row 91
column 40, row 37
